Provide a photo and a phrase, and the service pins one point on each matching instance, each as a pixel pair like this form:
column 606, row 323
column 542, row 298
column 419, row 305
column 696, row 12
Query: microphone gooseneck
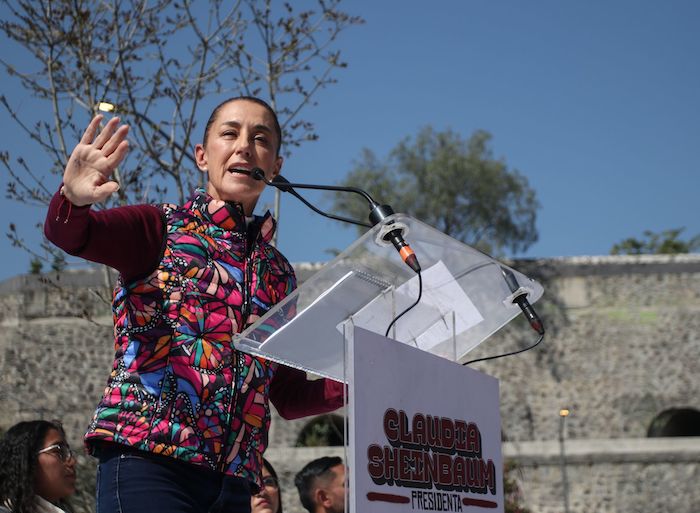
column 377, row 213
column 285, row 186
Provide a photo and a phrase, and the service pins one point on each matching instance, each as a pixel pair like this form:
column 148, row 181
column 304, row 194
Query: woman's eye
column 229, row 133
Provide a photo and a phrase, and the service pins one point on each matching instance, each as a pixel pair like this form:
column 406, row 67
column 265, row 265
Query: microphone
column 522, row 302
column 377, row 213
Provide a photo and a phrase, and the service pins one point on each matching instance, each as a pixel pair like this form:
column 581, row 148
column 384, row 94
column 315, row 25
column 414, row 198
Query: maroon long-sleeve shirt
column 130, row 239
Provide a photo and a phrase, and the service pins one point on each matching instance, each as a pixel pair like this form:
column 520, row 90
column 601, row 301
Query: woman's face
column 55, row 478
column 241, row 137
column 268, row 499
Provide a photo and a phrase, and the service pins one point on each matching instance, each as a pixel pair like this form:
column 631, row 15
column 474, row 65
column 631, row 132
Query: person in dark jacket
column 183, row 422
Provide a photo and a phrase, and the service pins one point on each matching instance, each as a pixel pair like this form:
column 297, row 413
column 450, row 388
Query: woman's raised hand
column 86, row 179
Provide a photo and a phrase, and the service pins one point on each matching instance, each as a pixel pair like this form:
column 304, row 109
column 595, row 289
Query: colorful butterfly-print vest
column 178, row 387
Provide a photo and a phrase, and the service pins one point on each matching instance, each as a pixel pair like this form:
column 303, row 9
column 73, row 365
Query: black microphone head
column 258, row 174
column 510, row 278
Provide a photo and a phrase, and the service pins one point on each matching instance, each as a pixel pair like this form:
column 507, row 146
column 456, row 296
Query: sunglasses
column 63, row 451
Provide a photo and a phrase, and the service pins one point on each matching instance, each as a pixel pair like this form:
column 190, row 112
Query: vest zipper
column 247, row 279
column 225, row 448
column 245, row 312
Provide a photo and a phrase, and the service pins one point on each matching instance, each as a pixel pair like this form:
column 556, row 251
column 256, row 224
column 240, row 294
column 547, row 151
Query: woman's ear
column 200, row 156
column 277, row 167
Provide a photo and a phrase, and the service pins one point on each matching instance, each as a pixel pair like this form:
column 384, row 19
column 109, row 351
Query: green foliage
column 323, row 431
column 453, row 184
column 59, row 262
column 35, row 266
column 666, row 242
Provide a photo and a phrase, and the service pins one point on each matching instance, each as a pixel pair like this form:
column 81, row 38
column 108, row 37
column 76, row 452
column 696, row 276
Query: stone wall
column 630, row 475
column 622, row 346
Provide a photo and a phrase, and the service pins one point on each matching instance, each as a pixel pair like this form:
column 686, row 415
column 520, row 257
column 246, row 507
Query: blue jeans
column 134, row 481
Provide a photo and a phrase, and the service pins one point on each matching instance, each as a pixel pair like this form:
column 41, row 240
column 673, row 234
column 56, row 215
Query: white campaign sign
column 425, row 432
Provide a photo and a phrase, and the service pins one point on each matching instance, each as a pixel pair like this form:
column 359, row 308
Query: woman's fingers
column 115, row 158
column 109, row 137
column 115, row 140
column 91, row 130
column 106, row 133
column 104, row 191
column 94, row 159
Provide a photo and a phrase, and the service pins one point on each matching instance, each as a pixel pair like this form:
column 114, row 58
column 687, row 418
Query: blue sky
column 597, row 103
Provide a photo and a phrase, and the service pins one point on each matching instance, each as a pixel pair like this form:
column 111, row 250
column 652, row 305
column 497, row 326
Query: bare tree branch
column 156, row 61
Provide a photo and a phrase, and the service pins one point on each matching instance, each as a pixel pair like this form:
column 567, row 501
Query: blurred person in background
column 269, row 497
column 37, row 468
column 321, row 485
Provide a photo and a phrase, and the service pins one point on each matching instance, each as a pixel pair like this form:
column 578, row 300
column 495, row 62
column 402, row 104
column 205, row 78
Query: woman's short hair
column 263, row 103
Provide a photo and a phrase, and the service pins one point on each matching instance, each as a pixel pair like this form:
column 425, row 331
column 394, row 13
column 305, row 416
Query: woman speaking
column 183, row 421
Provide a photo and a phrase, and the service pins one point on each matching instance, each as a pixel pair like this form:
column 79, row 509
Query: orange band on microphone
column 406, row 252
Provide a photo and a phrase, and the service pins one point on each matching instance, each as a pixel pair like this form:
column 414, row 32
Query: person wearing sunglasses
column 269, row 496
column 37, row 473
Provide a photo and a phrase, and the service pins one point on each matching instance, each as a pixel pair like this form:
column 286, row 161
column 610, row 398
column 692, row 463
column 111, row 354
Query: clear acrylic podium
column 465, row 300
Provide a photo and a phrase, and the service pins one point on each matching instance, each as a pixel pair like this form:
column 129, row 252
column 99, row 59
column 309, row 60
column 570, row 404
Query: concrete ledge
column 535, row 453
column 103, row 321
column 618, row 450
column 607, row 265
column 73, row 278
column 603, row 265
column 302, row 454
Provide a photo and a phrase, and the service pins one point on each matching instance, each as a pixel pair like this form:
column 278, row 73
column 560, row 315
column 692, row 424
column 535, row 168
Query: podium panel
column 465, row 299
column 424, row 432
